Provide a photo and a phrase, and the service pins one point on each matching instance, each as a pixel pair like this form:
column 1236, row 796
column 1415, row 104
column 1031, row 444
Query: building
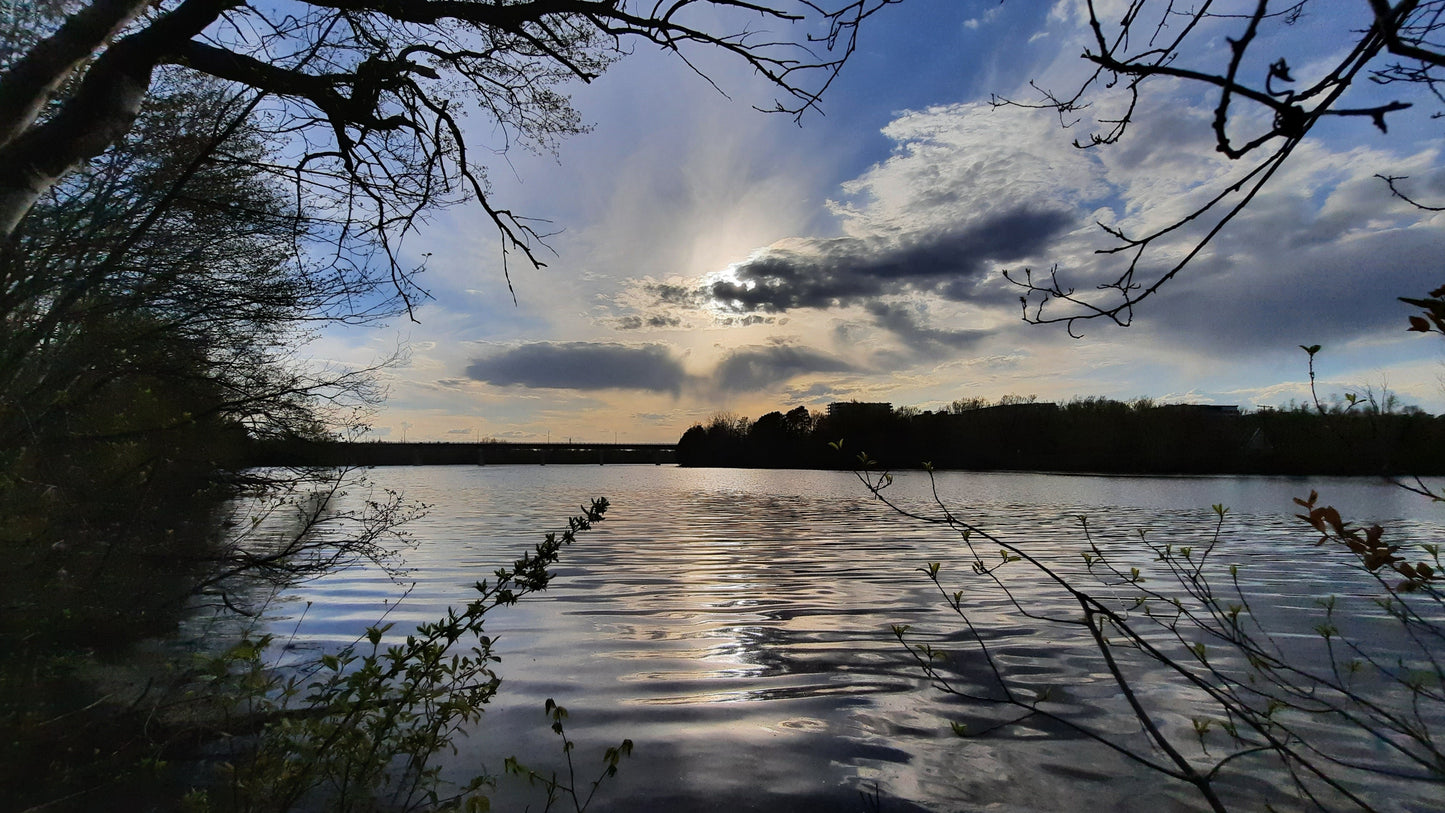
column 853, row 410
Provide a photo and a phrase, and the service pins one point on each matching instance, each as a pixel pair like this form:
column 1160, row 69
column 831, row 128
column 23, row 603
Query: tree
column 1265, row 109
column 185, row 187
column 365, row 97
column 177, row 234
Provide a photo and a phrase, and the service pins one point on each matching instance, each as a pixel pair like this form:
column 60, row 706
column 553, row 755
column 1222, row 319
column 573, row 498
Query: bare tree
column 365, row 97
column 1262, row 113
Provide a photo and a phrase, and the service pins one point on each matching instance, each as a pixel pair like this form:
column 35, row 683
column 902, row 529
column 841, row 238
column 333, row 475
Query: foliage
column 558, row 790
column 150, row 307
column 1350, row 719
column 363, row 725
column 1433, row 309
column 1266, row 105
column 347, row 730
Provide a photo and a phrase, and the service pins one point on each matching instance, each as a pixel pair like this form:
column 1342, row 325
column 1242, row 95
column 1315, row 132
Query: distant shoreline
column 385, row 453
column 1095, row 436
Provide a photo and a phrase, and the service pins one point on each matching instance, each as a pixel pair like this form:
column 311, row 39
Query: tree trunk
column 27, row 86
column 103, row 108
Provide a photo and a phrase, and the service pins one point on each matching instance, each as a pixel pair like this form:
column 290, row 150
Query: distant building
column 859, row 409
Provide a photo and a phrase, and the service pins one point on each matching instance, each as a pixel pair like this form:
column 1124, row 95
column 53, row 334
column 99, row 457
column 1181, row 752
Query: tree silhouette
column 364, row 98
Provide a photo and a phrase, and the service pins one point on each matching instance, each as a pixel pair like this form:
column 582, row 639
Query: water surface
column 735, row 625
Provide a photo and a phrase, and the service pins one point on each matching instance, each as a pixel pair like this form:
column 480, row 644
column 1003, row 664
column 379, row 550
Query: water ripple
column 735, row 625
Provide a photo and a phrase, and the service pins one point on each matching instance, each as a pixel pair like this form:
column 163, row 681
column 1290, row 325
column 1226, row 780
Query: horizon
column 901, row 410
column 711, row 258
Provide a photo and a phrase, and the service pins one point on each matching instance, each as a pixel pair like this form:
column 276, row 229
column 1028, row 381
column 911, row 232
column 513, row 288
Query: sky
column 708, row 258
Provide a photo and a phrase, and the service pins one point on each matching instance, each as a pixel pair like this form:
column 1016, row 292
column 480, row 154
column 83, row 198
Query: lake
column 735, row 624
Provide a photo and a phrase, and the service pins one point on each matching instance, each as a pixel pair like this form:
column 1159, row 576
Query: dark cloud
column 750, row 369
column 658, row 320
column 668, row 294
column 746, row 321
column 902, row 321
column 1324, row 295
column 582, row 366
column 849, row 270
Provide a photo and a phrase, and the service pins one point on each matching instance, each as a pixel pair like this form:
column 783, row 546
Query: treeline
column 150, row 303
column 1082, row 435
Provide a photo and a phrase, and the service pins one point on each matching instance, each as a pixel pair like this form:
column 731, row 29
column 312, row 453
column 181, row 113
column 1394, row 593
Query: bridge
column 330, row 453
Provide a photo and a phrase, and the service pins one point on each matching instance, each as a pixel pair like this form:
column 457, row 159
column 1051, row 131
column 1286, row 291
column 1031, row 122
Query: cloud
column 903, row 322
column 817, row 394
column 1327, row 293
column 1320, row 255
column 582, row 366
column 986, row 18
column 757, row 368
column 849, row 270
column 748, row 321
column 667, row 293
column 656, row 320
